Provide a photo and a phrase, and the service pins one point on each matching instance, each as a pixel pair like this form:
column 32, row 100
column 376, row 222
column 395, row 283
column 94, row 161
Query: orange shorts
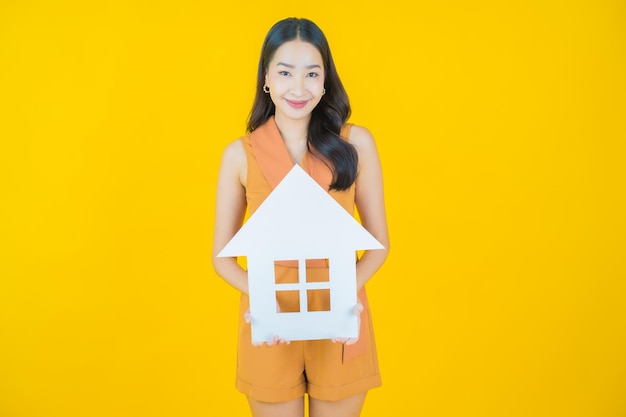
column 324, row 370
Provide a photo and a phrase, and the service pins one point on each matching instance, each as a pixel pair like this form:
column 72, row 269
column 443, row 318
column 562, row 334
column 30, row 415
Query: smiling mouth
column 297, row 104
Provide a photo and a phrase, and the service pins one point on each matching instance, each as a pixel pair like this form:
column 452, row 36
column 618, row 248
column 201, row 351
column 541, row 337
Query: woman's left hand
column 350, row 340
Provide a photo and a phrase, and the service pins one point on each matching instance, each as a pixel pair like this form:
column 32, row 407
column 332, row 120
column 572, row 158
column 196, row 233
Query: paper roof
column 299, row 218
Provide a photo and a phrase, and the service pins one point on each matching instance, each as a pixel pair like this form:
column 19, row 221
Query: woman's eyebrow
column 293, row 66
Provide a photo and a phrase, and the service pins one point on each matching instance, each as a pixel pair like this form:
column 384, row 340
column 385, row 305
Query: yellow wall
column 501, row 130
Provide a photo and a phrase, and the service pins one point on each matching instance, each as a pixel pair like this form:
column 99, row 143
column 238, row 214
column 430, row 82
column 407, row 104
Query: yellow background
column 501, row 127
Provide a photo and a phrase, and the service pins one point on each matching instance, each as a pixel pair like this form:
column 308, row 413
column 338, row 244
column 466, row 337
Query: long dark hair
column 323, row 140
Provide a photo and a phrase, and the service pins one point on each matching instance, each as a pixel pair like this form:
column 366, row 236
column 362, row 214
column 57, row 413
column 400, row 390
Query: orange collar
column 274, row 160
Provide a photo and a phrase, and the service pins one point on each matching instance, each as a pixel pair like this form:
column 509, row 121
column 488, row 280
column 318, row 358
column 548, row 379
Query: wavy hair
column 327, row 118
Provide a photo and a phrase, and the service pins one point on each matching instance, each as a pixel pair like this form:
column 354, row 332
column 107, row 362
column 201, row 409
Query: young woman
column 299, row 116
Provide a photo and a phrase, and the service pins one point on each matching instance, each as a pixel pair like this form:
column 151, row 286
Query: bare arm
column 229, row 213
column 370, row 202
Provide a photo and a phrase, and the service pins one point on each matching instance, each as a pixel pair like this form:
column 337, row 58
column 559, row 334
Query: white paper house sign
column 299, row 220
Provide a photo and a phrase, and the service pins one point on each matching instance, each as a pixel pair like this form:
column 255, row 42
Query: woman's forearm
column 368, row 264
column 232, row 273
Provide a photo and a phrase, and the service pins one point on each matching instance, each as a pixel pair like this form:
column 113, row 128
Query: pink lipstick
column 297, row 104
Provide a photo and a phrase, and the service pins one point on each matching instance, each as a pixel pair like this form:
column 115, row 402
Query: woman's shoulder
column 234, row 152
column 361, row 138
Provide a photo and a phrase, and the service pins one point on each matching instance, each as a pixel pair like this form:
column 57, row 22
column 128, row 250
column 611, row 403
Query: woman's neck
column 292, row 131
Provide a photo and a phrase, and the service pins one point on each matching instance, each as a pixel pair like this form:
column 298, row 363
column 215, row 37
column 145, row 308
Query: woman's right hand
column 276, row 340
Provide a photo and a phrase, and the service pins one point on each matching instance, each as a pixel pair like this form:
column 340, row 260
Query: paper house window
column 300, row 221
column 300, row 292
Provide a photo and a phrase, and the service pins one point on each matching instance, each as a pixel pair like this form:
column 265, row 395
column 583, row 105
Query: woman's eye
column 313, row 74
column 284, row 73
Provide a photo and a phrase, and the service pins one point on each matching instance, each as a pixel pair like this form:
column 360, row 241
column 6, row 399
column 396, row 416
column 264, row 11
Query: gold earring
column 266, row 89
column 324, row 92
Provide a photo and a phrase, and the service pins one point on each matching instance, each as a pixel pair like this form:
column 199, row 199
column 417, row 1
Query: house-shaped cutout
column 299, row 220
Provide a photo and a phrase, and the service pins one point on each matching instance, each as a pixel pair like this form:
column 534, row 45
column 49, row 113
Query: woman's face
column 295, row 77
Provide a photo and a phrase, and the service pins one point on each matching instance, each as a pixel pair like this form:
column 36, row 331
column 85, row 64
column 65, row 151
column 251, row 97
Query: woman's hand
column 276, row 340
column 350, row 340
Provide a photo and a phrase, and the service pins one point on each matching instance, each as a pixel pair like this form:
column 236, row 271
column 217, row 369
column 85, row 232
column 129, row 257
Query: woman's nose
column 297, row 86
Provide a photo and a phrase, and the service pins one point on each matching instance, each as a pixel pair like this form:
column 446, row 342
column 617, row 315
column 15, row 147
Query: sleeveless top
column 268, row 162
